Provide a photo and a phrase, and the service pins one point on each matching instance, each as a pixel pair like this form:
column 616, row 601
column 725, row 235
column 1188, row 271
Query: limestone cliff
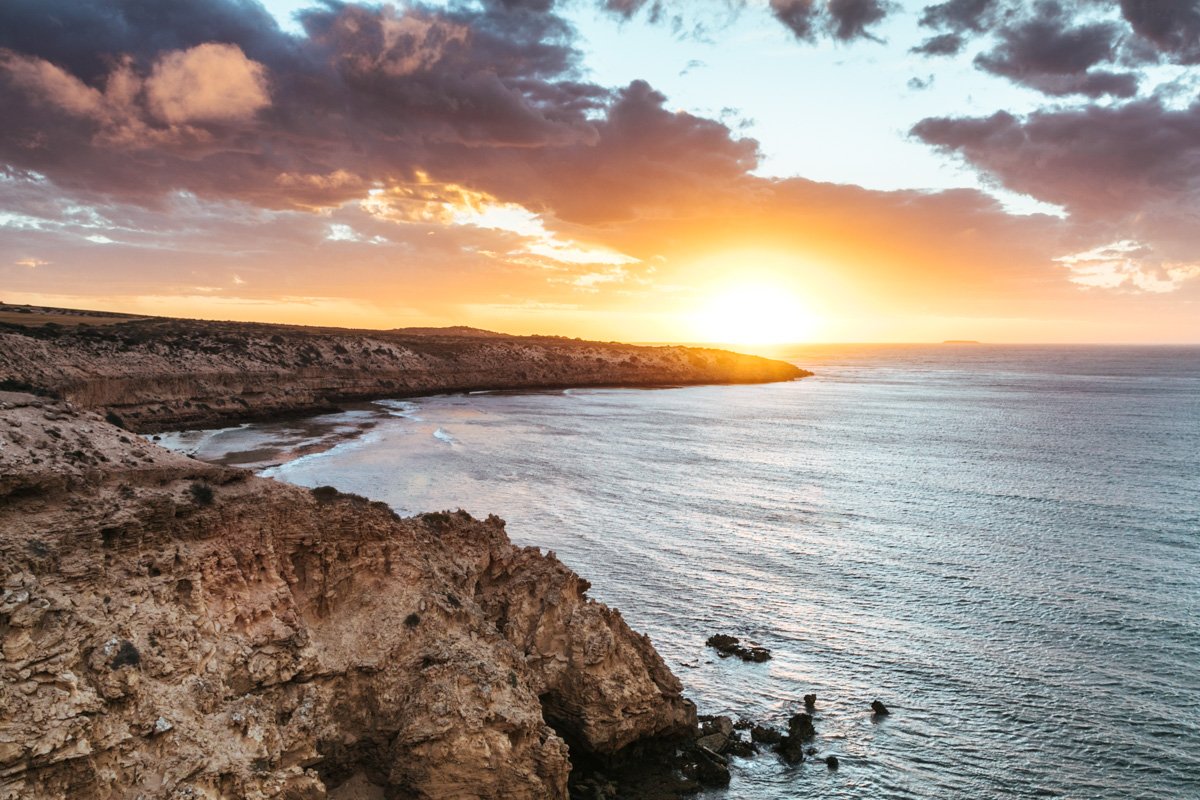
column 159, row 373
column 171, row 629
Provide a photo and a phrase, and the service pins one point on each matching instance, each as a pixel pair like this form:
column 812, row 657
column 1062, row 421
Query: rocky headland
column 176, row 629
column 158, row 373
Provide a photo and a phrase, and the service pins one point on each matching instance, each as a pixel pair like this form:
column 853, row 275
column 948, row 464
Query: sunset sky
column 809, row 170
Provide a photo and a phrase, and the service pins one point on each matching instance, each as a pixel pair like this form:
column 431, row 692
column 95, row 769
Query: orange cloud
column 207, row 83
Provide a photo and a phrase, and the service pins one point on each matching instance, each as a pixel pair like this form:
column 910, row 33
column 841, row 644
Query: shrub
column 202, row 493
column 324, row 494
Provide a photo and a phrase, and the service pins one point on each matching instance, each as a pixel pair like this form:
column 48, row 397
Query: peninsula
column 157, row 373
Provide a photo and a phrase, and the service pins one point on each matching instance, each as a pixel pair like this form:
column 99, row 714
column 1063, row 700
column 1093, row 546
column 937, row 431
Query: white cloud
column 1127, row 264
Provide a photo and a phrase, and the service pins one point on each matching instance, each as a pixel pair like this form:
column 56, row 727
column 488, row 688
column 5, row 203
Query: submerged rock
column 801, row 726
column 831, row 762
column 810, row 702
column 727, row 646
column 879, row 708
column 766, row 735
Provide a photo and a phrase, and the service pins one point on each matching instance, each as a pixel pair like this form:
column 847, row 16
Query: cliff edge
column 160, row 373
column 182, row 630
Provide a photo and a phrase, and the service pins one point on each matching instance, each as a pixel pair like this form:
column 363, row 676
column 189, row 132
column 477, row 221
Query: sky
column 741, row 171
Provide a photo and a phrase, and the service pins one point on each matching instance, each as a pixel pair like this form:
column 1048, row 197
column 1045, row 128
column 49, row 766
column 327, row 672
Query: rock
column 720, row 724
column 714, row 741
column 761, row 733
column 879, row 708
column 791, row 748
column 723, row 642
column 831, row 762
column 740, row 748
column 810, row 702
column 801, row 726
column 269, row 626
column 711, row 769
column 726, row 646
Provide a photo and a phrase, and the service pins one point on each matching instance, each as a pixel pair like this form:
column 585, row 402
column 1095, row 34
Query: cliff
column 172, row 629
column 160, row 373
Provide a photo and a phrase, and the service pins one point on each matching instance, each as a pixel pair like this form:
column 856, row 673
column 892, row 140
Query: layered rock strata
column 172, row 629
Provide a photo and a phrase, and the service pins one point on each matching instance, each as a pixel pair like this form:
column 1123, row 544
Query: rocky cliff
column 171, row 629
column 159, row 373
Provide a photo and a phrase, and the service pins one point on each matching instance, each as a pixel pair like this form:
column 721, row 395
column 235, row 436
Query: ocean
column 1000, row 543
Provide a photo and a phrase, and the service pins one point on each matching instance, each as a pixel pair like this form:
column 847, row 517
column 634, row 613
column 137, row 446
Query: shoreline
column 168, row 374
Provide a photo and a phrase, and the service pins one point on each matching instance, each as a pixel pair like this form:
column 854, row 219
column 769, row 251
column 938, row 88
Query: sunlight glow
column 753, row 314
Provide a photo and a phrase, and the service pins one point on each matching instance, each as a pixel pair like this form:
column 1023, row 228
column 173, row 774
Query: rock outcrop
column 172, row 629
column 156, row 373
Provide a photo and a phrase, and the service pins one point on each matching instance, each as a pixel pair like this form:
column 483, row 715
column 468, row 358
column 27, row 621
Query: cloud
column 1124, row 264
column 207, row 83
column 843, row 19
column 1124, row 173
column 1046, row 52
column 1099, row 162
column 945, row 44
column 960, row 15
column 1173, row 26
column 466, row 144
column 1050, row 44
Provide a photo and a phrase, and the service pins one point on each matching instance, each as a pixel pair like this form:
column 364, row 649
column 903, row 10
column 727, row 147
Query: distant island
column 960, row 341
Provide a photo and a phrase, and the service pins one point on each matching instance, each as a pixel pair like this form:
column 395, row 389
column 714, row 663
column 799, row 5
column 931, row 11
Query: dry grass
column 31, row 317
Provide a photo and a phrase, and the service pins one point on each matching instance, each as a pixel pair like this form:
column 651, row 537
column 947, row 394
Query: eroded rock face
column 262, row 641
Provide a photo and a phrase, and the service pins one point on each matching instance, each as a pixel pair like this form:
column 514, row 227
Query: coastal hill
column 175, row 629
column 153, row 373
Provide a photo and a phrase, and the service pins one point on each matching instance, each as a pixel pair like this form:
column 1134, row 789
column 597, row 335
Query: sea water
column 1002, row 544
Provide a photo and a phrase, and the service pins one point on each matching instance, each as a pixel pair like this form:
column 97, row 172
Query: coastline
column 233, row 633
column 168, row 374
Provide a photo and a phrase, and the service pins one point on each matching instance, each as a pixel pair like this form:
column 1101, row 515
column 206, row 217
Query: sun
column 753, row 314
